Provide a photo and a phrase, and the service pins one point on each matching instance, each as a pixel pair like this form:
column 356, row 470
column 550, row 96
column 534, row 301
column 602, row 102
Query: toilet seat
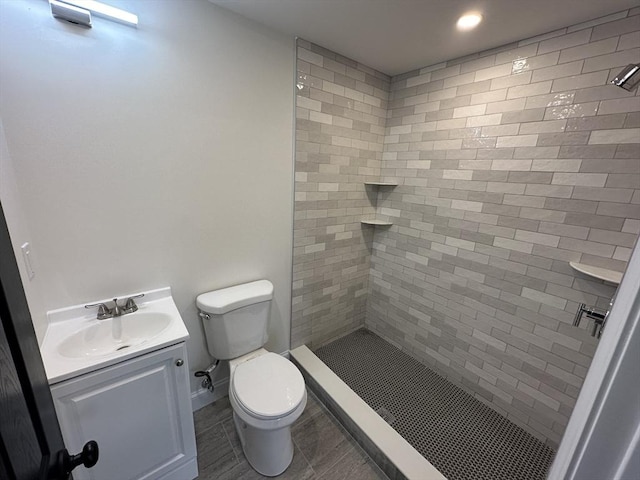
column 268, row 386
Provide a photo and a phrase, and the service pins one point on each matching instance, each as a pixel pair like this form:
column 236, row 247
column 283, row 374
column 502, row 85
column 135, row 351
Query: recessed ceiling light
column 469, row 21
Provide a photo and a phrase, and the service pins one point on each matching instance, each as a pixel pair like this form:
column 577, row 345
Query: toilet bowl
column 266, row 391
column 267, row 394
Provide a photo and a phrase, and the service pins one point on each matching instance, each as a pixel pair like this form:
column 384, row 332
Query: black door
column 31, row 445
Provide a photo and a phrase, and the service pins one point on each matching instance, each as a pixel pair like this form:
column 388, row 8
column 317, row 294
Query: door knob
column 88, row 457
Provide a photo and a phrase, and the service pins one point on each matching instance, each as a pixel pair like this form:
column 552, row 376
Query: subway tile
column 500, row 130
column 492, row 72
column 548, row 126
column 618, row 210
column 506, row 106
column 570, row 138
column 503, row 83
column 582, row 179
column 517, row 141
column 612, row 60
column 470, row 111
column 590, row 50
column 631, row 226
column 584, row 152
column 617, row 136
column 516, row 53
column 539, row 238
column 550, row 100
column 580, row 81
column 487, row 97
column 536, row 152
column 612, row 238
column 607, row 222
column 564, row 41
column 588, row 109
column 618, row 195
column 629, row 40
column 556, row 191
column 510, row 244
column 556, row 165
column 601, row 122
column 530, row 177
column 529, row 90
column 623, row 180
column 523, row 116
column 310, row 57
column 544, row 36
column 613, row 29
column 612, row 96
column 584, row 246
column 557, row 71
column 511, row 165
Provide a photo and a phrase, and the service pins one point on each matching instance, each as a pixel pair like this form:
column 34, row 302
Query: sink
column 76, row 342
column 114, row 334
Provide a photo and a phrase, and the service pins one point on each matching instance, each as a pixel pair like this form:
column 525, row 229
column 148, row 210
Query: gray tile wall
column 340, row 126
column 511, row 163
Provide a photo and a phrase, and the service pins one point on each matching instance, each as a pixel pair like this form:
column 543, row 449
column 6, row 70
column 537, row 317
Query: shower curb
column 392, row 453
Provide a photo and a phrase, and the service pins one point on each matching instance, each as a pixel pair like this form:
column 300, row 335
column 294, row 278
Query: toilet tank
column 236, row 318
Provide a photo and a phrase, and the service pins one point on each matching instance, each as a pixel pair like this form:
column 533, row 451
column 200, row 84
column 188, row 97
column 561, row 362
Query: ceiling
column 396, row 36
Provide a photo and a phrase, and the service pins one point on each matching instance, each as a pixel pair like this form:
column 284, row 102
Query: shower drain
column 386, row 415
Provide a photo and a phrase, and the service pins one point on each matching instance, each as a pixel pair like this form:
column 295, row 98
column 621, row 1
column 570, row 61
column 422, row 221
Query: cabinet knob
column 179, row 362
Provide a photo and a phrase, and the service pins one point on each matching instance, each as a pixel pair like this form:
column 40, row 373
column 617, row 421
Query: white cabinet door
column 140, row 414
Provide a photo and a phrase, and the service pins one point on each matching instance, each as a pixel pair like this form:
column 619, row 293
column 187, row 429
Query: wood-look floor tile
column 355, row 465
column 321, row 441
column 215, row 453
column 212, row 414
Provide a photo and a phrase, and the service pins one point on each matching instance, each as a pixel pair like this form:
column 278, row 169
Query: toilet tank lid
column 231, row 298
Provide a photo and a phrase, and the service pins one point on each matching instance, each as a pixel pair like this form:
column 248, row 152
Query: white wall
column 150, row 157
column 18, row 230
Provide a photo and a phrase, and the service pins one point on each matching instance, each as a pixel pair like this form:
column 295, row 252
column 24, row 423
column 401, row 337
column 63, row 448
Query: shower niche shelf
column 382, row 184
column 600, row 273
column 375, row 222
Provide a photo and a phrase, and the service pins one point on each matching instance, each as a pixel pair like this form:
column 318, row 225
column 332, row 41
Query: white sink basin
column 77, row 342
column 114, row 334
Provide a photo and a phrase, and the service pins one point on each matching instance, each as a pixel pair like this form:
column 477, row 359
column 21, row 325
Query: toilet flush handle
column 204, row 316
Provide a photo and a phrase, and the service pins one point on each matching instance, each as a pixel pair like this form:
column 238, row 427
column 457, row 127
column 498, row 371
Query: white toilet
column 266, row 391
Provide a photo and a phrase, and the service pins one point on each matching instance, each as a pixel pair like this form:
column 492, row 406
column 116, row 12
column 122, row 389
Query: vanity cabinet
column 139, row 412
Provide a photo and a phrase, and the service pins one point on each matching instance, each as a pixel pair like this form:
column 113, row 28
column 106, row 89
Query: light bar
column 70, row 13
column 101, row 10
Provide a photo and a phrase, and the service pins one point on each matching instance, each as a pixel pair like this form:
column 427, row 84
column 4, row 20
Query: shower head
column 628, row 78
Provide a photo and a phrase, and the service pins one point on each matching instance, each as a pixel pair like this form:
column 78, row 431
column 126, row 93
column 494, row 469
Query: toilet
column 266, row 391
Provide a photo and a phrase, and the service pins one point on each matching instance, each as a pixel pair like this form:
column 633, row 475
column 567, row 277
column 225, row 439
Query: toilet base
column 269, row 452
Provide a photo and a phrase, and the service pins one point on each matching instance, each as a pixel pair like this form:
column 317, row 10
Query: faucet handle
column 130, row 305
column 104, row 312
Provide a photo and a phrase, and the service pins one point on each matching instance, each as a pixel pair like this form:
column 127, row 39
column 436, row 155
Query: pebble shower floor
column 463, row 438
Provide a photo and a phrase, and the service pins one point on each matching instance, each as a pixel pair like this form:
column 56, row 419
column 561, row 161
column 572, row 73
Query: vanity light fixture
column 76, row 11
column 469, row 21
column 70, row 13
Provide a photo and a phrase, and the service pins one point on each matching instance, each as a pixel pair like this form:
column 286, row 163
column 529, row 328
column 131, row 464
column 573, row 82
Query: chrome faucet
column 104, row 312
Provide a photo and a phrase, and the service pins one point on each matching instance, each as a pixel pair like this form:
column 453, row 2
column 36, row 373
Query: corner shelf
column 376, row 223
column 382, row 184
column 605, row 274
